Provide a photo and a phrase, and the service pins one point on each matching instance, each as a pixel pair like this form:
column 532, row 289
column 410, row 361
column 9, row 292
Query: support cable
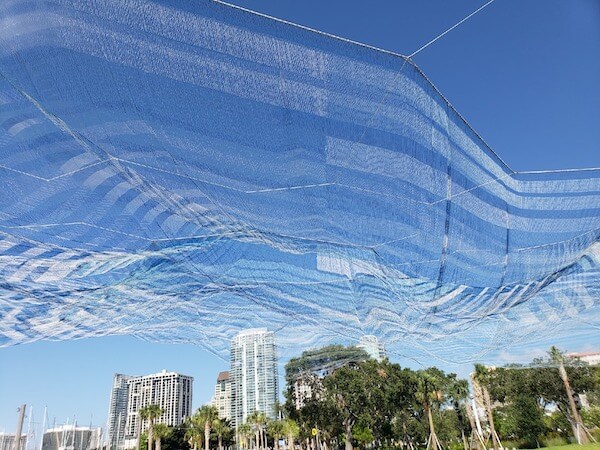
column 450, row 29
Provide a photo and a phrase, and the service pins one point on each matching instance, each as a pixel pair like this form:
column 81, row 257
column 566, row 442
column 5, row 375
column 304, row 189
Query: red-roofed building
column 222, row 397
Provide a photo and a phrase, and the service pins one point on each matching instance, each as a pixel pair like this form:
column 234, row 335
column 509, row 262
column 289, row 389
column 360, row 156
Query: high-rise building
column 117, row 411
column 222, row 398
column 372, row 346
column 171, row 391
column 7, row 441
column 254, row 377
column 71, row 437
column 305, row 387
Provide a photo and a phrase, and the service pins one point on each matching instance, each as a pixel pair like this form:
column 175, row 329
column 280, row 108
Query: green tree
column 150, row 413
column 557, row 425
column 325, row 359
column 363, row 434
column 143, row 441
column 222, row 429
column 244, row 431
column 579, row 431
column 176, row 439
column 369, row 392
column 430, row 393
column 290, row 429
column 312, row 365
column 258, row 422
column 161, row 432
column 204, row 418
column 194, row 432
column 345, row 387
column 360, row 400
column 484, row 377
column 529, row 419
column 591, row 417
column 275, row 430
column 458, row 392
column 525, row 392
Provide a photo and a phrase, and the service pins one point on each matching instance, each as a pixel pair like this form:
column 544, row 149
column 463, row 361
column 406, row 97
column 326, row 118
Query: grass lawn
column 595, row 446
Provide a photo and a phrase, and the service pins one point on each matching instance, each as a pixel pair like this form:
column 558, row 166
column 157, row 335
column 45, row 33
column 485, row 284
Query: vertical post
column 579, row 432
column 28, row 428
column 65, row 431
column 43, row 427
column 488, row 404
column 20, row 427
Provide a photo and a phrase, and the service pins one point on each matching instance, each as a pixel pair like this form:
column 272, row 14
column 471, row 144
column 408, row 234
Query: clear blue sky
column 524, row 73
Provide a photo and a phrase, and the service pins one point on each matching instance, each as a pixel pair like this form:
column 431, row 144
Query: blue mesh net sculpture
column 181, row 170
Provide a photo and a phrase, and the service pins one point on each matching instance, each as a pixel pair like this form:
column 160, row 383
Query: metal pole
column 43, row 427
column 29, row 428
column 17, row 445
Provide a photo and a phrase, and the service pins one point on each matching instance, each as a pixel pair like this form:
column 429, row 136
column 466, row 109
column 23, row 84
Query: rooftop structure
column 72, row 437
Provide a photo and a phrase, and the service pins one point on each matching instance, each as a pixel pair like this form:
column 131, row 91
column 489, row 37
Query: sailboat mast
column 43, row 426
column 29, row 427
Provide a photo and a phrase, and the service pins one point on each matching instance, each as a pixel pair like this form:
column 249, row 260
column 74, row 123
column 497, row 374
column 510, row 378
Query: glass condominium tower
column 253, row 374
column 117, row 412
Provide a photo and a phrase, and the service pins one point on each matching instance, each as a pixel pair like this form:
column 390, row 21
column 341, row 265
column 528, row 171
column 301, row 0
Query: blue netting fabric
column 180, row 170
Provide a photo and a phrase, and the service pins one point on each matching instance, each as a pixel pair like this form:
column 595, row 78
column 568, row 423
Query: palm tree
column 205, row 416
column 161, row 431
column 150, row 413
column 243, row 435
column 459, row 392
column 482, row 376
column 429, row 392
column 257, row 421
column 557, row 357
column 275, row 429
column 194, row 432
column 221, row 428
column 290, row 429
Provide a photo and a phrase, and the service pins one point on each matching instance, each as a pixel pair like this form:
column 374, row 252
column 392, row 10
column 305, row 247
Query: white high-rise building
column 171, row 391
column 222, row 398
column 254, row 374
column 117, row 411
column 304, row 388
column 372, row 346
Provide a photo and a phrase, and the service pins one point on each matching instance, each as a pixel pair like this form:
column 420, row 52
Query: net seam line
column 312, row 30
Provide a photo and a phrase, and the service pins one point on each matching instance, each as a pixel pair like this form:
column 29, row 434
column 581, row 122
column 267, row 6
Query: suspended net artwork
column 179, row 171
